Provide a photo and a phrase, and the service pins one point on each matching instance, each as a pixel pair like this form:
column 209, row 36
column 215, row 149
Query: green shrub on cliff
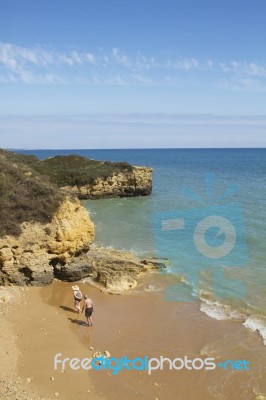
column 24, row 195
column 76, row 170
column 29, row 160
column 29, row 186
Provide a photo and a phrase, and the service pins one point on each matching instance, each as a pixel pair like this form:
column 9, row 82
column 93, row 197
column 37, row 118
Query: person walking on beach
column 88, row 306
column 77, row 297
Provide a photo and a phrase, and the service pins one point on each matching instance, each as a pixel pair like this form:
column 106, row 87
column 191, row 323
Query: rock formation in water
column 92, row 179
column 113, row 270
column 135, row 182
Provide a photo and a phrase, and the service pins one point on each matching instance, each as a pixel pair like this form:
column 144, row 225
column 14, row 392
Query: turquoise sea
column 234, row 176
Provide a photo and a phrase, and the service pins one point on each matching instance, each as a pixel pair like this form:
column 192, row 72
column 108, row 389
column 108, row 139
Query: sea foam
column 214, row 309
column 257, row 324
column 219, row 311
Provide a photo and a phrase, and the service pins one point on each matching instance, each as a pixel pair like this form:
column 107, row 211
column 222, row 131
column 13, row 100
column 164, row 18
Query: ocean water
column 188, row 186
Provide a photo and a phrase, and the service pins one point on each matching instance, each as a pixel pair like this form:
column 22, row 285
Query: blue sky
column 111, row 74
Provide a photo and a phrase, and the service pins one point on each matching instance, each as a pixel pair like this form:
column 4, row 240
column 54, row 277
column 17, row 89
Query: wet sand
column 135, row 325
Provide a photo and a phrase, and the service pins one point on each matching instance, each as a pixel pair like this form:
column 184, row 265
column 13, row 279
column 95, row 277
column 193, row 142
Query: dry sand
column 41, row 322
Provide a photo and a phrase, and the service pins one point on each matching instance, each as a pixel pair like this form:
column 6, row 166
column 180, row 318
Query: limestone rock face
column 137, row 182
column 114, row 270
column 30, row 257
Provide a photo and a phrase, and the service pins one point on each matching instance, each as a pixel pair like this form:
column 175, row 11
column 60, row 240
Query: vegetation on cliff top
column 24, row 195
column 78, row 171
column 29, row 186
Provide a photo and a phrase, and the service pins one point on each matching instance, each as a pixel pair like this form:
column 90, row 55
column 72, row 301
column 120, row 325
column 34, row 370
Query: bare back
column 88, row 303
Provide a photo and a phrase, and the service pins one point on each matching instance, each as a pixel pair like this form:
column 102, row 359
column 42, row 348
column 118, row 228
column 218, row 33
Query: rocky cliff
column 30, row 257
column 135, row 182
column 86, row 178
column 45, row 232
column 94, row 179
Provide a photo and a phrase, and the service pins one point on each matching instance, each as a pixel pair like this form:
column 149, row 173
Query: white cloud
column 223, row 67
column 243, row 76
column 91, row 58
column 144, row 63
column 76, row 57
column 140, row 78
column 185, row 64
column 244, row 84
column 256, row 70
column 41, row 65
column 121, row 58
column 188, row 64
column 244, row 68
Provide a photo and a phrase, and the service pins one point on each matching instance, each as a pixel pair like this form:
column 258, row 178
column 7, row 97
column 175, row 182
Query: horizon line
column 135, row 148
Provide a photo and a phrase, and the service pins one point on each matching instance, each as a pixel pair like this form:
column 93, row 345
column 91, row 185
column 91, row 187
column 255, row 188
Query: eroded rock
column 114, row 270
column 30, row 257
column 136, row 182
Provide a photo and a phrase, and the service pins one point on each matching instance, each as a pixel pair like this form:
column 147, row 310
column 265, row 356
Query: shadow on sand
column 68, row 309
column 78, row 322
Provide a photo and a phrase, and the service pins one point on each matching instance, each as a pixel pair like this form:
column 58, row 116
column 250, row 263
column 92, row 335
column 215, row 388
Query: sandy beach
column 38, row 323
column 133, row 165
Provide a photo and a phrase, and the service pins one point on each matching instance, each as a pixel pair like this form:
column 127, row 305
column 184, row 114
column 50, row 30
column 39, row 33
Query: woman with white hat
column 77, row 297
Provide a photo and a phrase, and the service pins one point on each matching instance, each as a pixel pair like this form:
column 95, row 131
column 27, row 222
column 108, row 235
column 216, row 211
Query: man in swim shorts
column 88, row 306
